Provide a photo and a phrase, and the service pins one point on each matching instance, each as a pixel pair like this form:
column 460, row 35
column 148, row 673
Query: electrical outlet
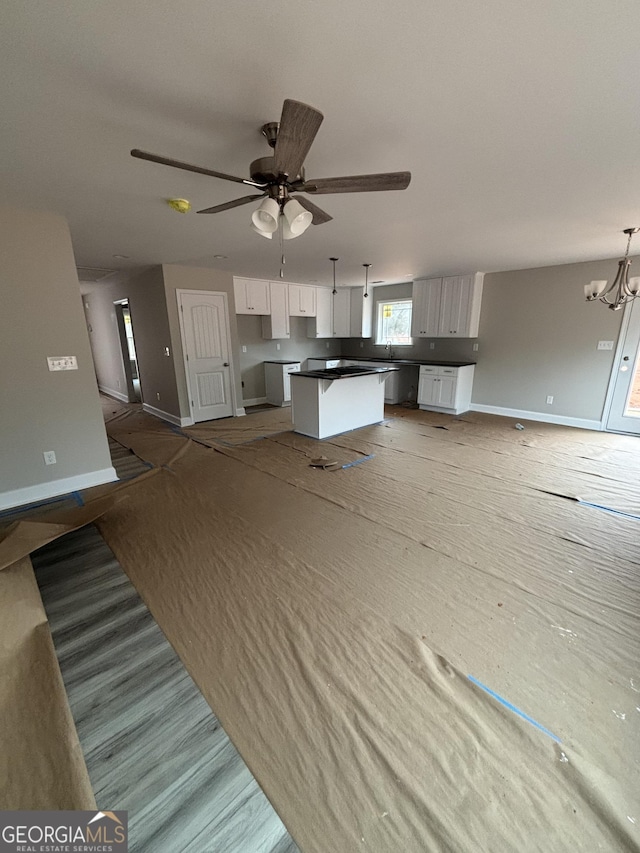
column 475, row 347
column 605, row 344
column 549, row 400
column 361, row 344
column 244, row 349
column 167, row 351
column 62, row 362
column 327, row 344
column 117, row 383
column 432, row 345
column 49, row 457
column 277, row 346
column 157, row 395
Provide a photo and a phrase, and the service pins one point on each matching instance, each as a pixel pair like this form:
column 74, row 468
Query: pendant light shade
column 265, row 218
column 297, row 218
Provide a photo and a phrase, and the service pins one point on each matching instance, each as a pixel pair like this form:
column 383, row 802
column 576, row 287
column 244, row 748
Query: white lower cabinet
column 277, row 376
column 445, row 389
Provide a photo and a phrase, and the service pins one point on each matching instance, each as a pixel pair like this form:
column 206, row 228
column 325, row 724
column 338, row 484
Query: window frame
column 378, row 321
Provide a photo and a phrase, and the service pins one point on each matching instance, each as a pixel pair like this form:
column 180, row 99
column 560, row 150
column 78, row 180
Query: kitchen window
column 393, row 322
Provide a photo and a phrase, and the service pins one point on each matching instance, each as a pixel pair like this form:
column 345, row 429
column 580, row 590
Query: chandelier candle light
column 623, row 289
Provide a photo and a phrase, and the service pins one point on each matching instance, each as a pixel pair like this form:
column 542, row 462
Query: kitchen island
column 327, row 402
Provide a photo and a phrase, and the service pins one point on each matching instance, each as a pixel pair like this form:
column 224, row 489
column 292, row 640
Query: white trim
column 240, row 412
column 232, row 378
column 522, row 414
column 165, row 416
column 111, row 393
column 255, row 401
column 615, row 365
column 42, row 491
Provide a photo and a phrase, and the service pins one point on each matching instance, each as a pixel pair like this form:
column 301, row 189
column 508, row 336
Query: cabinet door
column 425, row 309
column 276, row 325
column 251, row 296
column 446, row 392
column 361, row 325
column 302, row 300
column 428, row 389
column 460, row 308
column 321, row 325
column 342, row 313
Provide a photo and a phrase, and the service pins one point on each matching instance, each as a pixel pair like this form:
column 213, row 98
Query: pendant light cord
column 333, row 261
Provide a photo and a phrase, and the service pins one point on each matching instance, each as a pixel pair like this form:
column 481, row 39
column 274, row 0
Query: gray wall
column 146, row 294
column 298, row 347
column 538, row 336
column 195, row 278
column 42, row 316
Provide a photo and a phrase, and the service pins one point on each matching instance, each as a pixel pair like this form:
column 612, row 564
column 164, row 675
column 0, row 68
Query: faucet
column 389, row 346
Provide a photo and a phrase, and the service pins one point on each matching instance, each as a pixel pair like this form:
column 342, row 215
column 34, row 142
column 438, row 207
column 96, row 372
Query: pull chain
column 282, row 257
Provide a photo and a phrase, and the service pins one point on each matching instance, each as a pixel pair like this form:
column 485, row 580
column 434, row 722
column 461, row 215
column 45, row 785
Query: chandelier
column 623, row 289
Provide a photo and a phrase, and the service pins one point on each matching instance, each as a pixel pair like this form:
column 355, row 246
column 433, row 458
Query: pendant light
column 366, row 279
column 333, row 261
column 623, row 289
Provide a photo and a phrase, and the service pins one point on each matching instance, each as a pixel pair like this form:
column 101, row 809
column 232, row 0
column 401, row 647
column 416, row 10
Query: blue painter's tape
column 78, row 498
column 609, row 509
column 358, row 461
column 513, row 708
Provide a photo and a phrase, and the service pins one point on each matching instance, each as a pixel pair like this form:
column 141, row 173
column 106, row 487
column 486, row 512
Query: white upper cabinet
column 252, row 296
column 361, row 324
column 276, row 324
column 342, row 313
column 447, row 307
column 321, row 326
column 302, row 300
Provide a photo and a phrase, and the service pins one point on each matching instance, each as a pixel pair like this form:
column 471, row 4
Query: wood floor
column 151, row 743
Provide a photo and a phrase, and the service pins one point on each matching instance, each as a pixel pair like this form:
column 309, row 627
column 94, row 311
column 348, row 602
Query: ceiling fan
column 281, row 176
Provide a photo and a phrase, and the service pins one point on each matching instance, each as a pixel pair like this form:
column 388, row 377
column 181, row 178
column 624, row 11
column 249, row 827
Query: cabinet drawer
column 448, row 371
column 428, row 369
column 438, row 370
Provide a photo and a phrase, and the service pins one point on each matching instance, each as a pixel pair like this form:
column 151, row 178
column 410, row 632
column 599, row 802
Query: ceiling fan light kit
column 277, row 177
column 265, row 218
column 623, row 289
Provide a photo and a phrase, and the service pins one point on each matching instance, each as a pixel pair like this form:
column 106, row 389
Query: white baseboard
column 256, row 401
column 43, row 491
column 111, row 393
column 523, row 415
column 240, row 412
column 165, row 416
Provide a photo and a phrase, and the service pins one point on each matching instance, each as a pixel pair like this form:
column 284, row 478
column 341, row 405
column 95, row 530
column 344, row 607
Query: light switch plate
column 62, row 362
column 605, row 344
column 244, row 349
column 475, row 347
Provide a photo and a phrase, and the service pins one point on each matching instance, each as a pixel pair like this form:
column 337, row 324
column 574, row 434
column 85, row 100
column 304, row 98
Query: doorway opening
column 128, row 348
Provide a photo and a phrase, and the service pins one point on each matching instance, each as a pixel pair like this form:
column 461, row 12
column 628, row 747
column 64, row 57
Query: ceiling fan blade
column 229, row 204
column 299, row 124
column 178, row 164
column 319, row 216
column 358, row 183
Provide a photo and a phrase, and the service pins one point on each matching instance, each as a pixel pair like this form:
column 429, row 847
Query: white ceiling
column 519, row 120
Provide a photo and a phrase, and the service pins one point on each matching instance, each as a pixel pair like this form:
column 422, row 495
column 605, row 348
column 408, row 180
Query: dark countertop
column 282, row 361
column 433, row 361
column 344, row 372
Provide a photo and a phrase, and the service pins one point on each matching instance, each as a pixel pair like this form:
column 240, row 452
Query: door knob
column 626, row 358
column 226, row 364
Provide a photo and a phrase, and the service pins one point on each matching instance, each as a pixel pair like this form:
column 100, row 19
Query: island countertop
column 344, row 372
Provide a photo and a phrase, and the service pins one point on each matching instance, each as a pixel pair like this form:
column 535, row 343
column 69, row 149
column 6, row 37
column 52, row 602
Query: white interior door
column 624, row 412
column 206, row 348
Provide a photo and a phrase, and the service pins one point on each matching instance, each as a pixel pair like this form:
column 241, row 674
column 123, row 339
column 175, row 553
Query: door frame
column 118, row 305
column 615, row 367
column 232, row 377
